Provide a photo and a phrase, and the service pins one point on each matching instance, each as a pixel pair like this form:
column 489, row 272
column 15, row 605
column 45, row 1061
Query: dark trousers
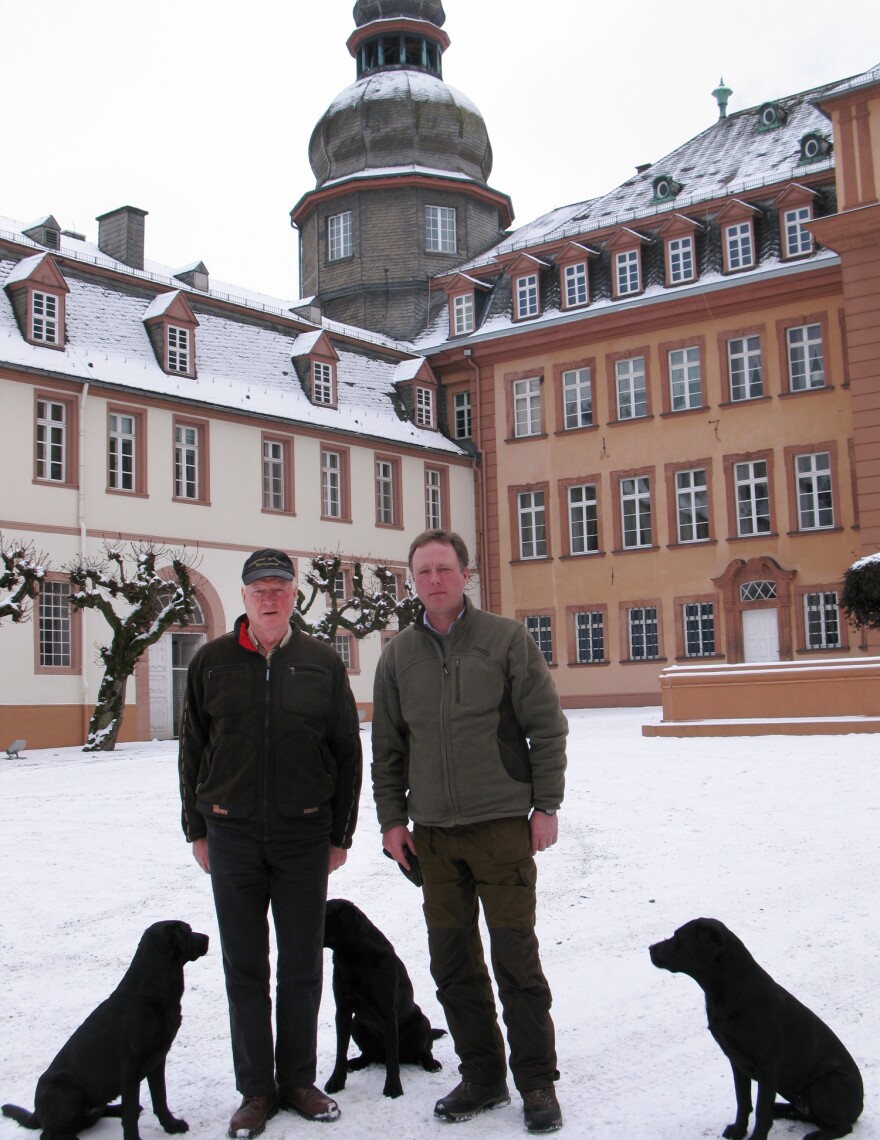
column 490, row 864
column 290, row 874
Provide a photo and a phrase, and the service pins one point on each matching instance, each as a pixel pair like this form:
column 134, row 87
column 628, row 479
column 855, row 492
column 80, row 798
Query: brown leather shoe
column 310, row 1103
column 249, row 1119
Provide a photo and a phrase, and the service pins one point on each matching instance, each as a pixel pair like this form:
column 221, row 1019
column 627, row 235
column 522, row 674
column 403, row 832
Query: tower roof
column 365, row 11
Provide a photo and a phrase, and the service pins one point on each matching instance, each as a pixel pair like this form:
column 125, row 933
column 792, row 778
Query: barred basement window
column 822, row 620
column 589, row 628
column 540, row 626
column 644, row 638
column 699, row 629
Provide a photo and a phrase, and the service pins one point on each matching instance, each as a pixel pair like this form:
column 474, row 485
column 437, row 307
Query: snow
column 777, row 837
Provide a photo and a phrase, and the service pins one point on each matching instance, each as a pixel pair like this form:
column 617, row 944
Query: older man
column 270, row 772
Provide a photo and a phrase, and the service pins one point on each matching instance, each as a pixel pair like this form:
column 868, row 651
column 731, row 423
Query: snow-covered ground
column 776, row 836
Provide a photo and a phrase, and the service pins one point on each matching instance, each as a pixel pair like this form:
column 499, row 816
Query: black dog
column 125, row 1039
column 374, row 1001
column 767, row 1035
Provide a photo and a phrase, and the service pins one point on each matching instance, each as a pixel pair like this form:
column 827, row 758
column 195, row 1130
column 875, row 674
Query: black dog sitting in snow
column 375, row 1004
column 767, row 1035
column 125, row 1039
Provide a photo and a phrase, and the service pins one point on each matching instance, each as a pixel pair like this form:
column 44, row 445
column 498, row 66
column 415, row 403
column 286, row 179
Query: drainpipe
column 81, row 522
column 485, row 589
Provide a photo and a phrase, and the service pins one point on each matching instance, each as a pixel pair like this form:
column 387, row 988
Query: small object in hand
column 414, row 874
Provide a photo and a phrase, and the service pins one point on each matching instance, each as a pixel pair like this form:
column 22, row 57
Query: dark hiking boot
column 311, row 1103
column 467, row 1099
column 249, row 1119
column 541, row 1110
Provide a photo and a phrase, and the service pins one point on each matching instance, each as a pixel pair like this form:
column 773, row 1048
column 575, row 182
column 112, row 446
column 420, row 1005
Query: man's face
column 439, row 581
column 269, row 603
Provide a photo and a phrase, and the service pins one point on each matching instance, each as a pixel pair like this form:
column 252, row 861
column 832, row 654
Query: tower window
column 440, row 229
column 339, row 236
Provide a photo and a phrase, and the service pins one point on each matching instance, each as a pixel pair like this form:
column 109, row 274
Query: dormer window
column 178, row 350
column 315, row 361
column 196, row 276
column 666, row 188
column 771, row 116
column 737, row 221
column 424, row 407
column 323, row 383
column 171, row 327
column 626, row 262
column 416, row 387
column 45, row 232
column 467, row 297
column 680, row 248
column 574, row 276
column 526, row 296
column 44, row 317
column 462, row 314
column 37, row 291
column 814, row 147
column 796, row 207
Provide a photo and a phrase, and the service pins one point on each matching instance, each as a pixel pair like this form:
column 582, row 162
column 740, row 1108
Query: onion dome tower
column 401, row 162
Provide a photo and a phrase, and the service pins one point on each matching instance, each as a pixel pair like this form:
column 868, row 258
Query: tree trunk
column 107, row 717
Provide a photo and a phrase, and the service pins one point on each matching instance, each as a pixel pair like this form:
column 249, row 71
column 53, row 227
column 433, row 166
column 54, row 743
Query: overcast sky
column 200, row 111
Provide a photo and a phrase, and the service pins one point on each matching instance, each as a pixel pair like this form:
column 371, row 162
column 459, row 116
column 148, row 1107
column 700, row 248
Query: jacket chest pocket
column 305, row 690
column 228, row 690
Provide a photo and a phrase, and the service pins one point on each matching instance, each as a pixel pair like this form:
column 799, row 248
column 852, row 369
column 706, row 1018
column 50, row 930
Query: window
column 644, row 637
column 339, row 236
column 680, row 252
column 806, row 365
column 685, row 379
column 53, row 439
column 752, row 491
column 589, row 631
column 322, row 383
column 540, row 626
column 387, row 491
column 583, row 519
column 331, row 484
column 699, row 629
column 532, row 524
column 632, row 392
column 463, row 314
column 55, row 625
column 575, row 285
column 635, row 511
column 178, row 357
column 342, row 645
column 440, row 235
column 527, row 407
column 739, row 246
column 526, row 293
column 433, row 499
column 626, row 272
column 461, row 410
column 188, row 462
column 277, row 474
column 822, row 620
column 424, row 407
column 744, row 368
column 122, row 450
column 797, row 239
column 45, row 325
column 577, row 398
column 815, row 502
column 692, row 505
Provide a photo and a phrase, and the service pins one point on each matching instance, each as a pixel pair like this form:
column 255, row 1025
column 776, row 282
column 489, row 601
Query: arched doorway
column 756, row 596
column 169, row 660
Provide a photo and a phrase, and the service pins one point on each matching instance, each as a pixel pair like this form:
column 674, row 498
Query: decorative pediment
column 462, row 283
column 737, row 211
column 172, row 308
column 571, row 253
column 315, row 345
column 795, row 195
column 678, row 225
column 625, row 238
column 39, row 271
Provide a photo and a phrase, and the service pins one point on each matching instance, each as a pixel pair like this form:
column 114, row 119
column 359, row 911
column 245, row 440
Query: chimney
column 121, row 235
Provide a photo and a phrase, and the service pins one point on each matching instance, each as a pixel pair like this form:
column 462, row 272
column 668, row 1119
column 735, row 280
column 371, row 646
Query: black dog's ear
column 179, row 936
column 710, row 938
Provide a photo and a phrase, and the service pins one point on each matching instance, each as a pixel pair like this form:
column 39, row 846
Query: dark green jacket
column 264, row 743
column 465, row 728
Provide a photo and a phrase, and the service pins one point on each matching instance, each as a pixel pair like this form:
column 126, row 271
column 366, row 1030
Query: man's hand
column 544, row 829
column 338, row 855
column 200, row 854
column 399, row 841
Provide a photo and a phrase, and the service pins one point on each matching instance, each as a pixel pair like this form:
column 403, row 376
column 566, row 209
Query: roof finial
column 722, row 93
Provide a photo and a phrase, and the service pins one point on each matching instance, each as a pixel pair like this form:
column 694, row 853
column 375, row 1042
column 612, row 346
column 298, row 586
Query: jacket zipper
column 266, row 739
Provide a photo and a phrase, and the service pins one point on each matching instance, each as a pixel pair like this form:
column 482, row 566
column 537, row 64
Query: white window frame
column 385, row 492
column 589, row 632
column 55, row 625
column 685, row 378
column 532, row 524
column 644, row 633
column 540, row 626
column 583, row 518
column 698, row 622
column 178, row 351
column 576, row 285
column 339, row 236
column 331, row 484
column 462, row 415
column 798, row 239
column 692, row 505
column 187, row 461
column 682, row 264
column 441, row 229
column 526, row 293
column 740, row 241
column 45, row 310
column 322, row 383
column 752, row 493
column 424, row 407
column 745, row 368
column 122, row 451
column 462, row 314
column 822, row 620
column 527, row 411
column 814, row 491
column 274, row 481
column 635, row 512
column 342, row 645
column 577, row 398
column 433, row 499
column 806, row 361
column 52, row 440
column 628, row 272
column 632, row 388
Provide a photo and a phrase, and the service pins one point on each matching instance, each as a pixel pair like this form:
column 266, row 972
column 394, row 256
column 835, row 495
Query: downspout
column 81, row 522
column 480, row 467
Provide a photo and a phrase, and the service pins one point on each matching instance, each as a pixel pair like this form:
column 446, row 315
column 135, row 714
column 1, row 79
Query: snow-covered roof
column 401, row 84
column 24, row 268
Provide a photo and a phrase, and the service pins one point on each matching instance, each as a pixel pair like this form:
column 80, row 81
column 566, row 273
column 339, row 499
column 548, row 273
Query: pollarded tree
column 21, row 571
column 861, row 592
column 371, row 608
column 139, row 605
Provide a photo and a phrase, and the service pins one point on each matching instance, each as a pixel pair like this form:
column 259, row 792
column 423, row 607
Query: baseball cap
column 267, row 564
